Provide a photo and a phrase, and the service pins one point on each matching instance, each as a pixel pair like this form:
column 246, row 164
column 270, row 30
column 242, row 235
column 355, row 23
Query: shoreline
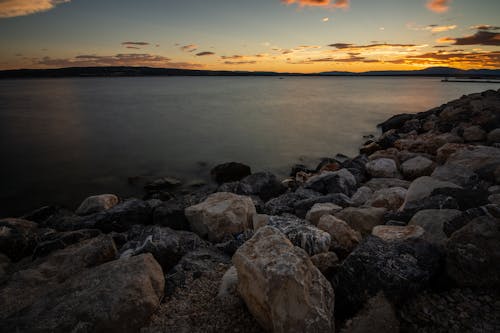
column 399, row 238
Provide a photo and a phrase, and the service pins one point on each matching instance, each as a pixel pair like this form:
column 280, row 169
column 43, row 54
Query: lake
column 64, row 139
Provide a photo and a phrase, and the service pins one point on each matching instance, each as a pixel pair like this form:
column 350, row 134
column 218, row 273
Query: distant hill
column 149, row 71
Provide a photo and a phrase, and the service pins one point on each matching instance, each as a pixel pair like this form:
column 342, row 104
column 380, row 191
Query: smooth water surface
column 64, row 139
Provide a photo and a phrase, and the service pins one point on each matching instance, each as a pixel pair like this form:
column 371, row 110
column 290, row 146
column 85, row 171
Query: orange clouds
column 319, row 3
column 438, row 6
column 13, row 8
column 479, row 38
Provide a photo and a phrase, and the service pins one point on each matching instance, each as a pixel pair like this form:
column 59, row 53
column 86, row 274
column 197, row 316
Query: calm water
column 64, row 139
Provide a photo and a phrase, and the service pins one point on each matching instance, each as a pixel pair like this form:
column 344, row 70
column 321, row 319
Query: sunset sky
column 257, row 35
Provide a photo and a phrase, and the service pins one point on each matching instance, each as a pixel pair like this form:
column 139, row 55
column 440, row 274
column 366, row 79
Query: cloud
column 438, row 6
column 440, row 28
column 133, row 47
column 344, row 46
column 325, row 19
column 129, row 59
column 189, row 48
column 453, row 58
column 319, row 3
column 135, row 43
column 13, row 8
column 205, row 53
column 479, row 38
column 484, row 27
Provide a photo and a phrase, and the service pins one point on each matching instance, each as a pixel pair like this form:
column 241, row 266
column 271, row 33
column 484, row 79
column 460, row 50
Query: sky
column 304, row 36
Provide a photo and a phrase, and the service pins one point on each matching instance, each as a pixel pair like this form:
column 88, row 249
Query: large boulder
column 399, row 269
column 473, row 254
column 166, row 245
column 362, row 219
column 423, row 187
column 382, row 168
column 280, row 285
column 417, row 167
column 119, row 296
column 321, row 209
column 433, row 222
column 389, row 198
column 230, row 172
column 97, row 203
column 302, row 234
column 262, row 184
column 341, row 181
column 447, row 150
column 18, row 238
column 221, row 216
column 343, row 238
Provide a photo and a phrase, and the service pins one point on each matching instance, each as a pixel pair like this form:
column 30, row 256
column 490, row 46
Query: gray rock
column 170, row 214
column 362, row 195
column 341, row 181
column 60, row 240
column 302, row 207
column 285, row 203
column 262, row 184
column 494, row 136
column 433, row 222
column 417, row 167
column 376, row 184
column 474, row 133
column 382, row 168
column 389, row 198
column 456, row 174
column 423, row 187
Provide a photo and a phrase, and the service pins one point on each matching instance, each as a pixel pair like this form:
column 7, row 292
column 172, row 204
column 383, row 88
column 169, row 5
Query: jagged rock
column 18, row 238
column 382, row 168
column 97, row 203
column 432, row 202
column 362, row 195
column 230, row 172
column 417, row 167
column 343, row 238
column 302, row 234
column 473, row 254
column 280, row 285
column 389, row 198
column 170, row 214
column 221, row 215
column 119, row 296
column 423, row 187
column 303, row 206
column 474, row 133
column 166, row 245
column 320, row 209
column 456, row 174
column 362, row 219
column 60, row 240
column 399, row 269
column 397, row 233
column 262, row 184
column 377, row 315
column 341, row 181
column 327, row 263
column 433, row 222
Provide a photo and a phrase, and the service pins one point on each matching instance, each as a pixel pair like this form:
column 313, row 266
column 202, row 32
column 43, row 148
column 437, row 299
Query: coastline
column 379, row 239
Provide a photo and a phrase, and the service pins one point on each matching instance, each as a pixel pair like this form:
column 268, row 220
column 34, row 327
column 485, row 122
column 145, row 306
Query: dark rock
column 456, row 174
column 122, row 216
column 388, row 139
column 171, row 214
column 341, row 181
column 60, row 240
column 163, row 183
column 18, row 238
column 473, row 254
column 395, row 122
column 396, row 223
column 285, row 203
column 165, row 244
column 411, row 125
column 328, row 161
column 432, row 202
column 41, row 214
column 230, row 172
column 263, row 184
column 399, row 269
column 299, row 168
column 303, row 206
column 466, row 198
column 232, row 245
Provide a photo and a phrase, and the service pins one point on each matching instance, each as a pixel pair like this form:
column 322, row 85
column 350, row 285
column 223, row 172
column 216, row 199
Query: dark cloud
column 189, row 48
column 479, row 38
column 344, row 46
column 485, row 27
column 205, row 53
column 244, row 62
column 135, row 43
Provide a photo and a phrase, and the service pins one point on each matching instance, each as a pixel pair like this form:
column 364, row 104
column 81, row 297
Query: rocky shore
column 404, row 237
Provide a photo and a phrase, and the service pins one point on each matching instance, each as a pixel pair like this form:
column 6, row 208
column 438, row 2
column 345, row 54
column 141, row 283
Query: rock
column 341, row 181
column 399, row 269
column 303, row 206
column 395, row 122
column 390, row 153
column 456, row 174
column 474, row 133
column 259, row 220
column 163, row 183
column 494, row 136
column 444, row 152
column 285, row 203
column 97, row 203
column 396, row 223
column 302, row 234
column 433, row 222
column 229, row 285
column 432, row 202
column 387, row 139
column 343, row 238
column 166, row 245
column 494, row 199
column 4, row 265
column 362, row 195
column 119, row 296
column 170, row 214
column 230, row 172
column 280, row 285
column 475, row 158
column 376, row 184
column 423, row 187
column 41, row 214
column 221, row 215
column 389, row 198
column 299, row 168
column 229, row 247
column 369, row 148
column 417, row 167
column 469, row 197
column 473, row 254
column 382, row 168
column 262, row 184
column 427, row 143
column 60, row 240
column 18, row 238
column 44, row 275
column 362, row 219
column 327, row 263
column 397, row 233
column 320, row 209
column 377, row 315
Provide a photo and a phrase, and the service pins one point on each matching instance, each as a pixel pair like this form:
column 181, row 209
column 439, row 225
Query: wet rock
column 170, row 214
column 417, row 167
column 423, row 187
column 320, row 209
column 382, row 168
column 362, row 195
column 119, row 296
column 166, row 245
column 473, row 253
column 341, row 181
column 376, row 184
column 262, row 184
column 397, row 233
column 280, row 285
column 389, row 198
column 362, row 219
column 474, row 134
column 221, row 215
column 433, row 222
column 343, row 238
column 18, row 238
column 230, row 172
